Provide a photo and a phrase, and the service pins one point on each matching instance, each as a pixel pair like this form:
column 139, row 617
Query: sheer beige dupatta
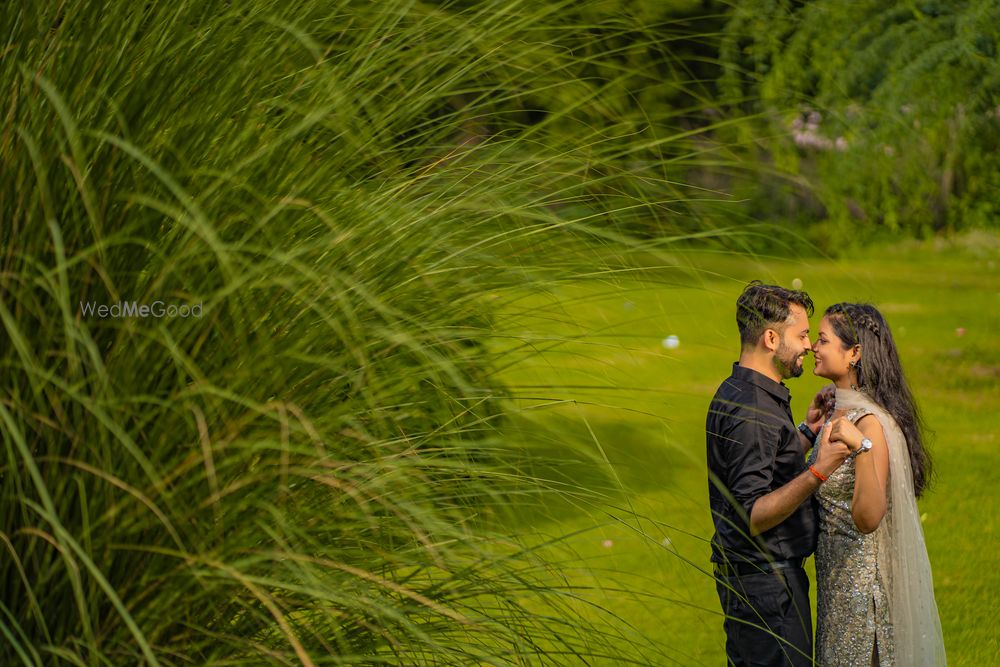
column 913, row 612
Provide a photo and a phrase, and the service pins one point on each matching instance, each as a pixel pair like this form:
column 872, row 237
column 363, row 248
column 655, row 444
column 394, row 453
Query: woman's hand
column 822, row 404
column 846, row 432
column 830, row 454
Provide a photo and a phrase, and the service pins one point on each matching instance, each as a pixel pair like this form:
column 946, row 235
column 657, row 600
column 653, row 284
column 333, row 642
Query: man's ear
column 771, row 340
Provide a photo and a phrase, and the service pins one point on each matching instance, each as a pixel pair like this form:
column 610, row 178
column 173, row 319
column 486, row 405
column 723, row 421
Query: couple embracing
column 843, row 484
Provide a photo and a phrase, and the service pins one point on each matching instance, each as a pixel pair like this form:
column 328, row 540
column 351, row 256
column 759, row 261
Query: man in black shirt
column 760, row 489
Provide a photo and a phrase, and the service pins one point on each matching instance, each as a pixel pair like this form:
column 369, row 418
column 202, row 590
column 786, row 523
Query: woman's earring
column 856, row 366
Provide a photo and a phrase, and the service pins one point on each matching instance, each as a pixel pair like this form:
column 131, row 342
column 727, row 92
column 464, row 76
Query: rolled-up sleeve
column 751, row 448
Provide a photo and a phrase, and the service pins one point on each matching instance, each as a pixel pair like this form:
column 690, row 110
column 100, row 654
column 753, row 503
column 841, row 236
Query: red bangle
column 818, row 474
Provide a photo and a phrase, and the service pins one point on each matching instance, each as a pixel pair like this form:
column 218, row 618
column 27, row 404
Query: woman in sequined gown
column 875, row 596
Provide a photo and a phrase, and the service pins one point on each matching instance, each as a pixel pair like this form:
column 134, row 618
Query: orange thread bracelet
column 819, row 476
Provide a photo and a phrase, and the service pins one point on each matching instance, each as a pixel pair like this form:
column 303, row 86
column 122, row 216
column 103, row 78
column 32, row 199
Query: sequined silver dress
column 852, row 601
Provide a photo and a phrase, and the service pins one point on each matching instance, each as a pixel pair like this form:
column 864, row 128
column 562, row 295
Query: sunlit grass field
column 604, row 397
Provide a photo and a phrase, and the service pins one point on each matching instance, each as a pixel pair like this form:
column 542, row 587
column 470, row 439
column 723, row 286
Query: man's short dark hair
column 766, row 306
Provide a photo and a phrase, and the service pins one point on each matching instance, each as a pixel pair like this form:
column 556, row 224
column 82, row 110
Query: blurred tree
column 890, row 111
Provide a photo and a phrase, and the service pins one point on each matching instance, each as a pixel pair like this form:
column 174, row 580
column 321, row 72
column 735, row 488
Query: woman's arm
column 871, row 470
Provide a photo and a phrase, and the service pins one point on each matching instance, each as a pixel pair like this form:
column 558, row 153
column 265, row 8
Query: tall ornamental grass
column 303, row 469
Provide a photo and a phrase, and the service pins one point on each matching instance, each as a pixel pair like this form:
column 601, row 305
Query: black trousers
column 768, row 622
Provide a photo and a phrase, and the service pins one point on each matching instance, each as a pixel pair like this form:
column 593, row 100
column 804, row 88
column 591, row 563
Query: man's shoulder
column 733, row 400
column 739, row 401
column 735, row 390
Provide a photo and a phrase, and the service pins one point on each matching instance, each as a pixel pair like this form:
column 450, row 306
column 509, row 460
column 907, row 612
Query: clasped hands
column 840, row 438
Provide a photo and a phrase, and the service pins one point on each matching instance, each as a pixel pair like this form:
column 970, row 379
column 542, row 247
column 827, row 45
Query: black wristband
column 806, row 431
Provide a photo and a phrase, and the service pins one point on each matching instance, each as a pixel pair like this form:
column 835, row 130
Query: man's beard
column 786, row 362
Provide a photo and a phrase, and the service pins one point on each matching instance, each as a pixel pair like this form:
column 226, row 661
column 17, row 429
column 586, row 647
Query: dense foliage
column 888, row 113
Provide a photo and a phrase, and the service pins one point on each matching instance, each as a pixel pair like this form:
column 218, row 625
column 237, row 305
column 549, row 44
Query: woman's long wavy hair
column 880, row 375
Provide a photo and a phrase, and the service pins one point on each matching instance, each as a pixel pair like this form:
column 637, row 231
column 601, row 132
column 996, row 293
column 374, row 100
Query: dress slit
column 875, row 662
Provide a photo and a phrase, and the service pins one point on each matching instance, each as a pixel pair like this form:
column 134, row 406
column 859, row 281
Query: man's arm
column 775, row 507
column 771, row 509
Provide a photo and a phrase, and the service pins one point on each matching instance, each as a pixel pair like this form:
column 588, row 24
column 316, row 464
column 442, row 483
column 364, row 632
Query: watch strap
column 808, row 432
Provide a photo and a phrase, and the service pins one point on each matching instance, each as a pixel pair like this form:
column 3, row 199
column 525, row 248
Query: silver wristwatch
column 865, row 446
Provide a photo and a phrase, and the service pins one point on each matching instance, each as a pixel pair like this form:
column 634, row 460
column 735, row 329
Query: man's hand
column 831, row 453
column 822, row 404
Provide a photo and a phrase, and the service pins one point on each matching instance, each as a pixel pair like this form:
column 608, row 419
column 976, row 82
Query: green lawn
column 615, row 410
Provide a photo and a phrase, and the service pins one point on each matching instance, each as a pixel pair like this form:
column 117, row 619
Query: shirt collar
column 776, row 389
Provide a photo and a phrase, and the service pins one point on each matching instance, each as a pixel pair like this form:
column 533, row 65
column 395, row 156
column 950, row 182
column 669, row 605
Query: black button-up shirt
column 753, row 449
